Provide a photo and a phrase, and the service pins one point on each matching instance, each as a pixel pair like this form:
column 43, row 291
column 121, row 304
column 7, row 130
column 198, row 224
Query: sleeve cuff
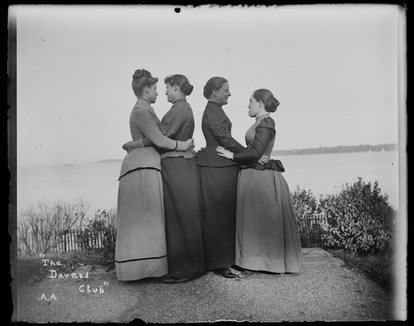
column 181, row 146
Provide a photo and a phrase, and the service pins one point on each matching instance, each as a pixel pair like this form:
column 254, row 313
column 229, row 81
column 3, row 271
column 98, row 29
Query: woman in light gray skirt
column 267, row 236
column 141, row 242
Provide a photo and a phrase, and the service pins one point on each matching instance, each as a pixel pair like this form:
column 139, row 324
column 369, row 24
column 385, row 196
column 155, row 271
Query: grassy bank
column 32, row 269
column 378, row 268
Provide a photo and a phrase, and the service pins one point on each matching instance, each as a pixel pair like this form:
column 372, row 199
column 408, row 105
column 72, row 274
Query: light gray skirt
column 267, row 235
column 141, row 249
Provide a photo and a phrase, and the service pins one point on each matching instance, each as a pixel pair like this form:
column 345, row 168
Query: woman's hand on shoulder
column 224, row 152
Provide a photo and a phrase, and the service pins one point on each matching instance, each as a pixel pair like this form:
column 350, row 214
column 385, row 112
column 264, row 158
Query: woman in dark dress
column 267, row 236
column 185, row 251
column 218, row 180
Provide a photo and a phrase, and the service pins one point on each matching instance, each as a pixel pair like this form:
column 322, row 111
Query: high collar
column 262, row 116
column 215, row 103
column 181, row 99
column 144, row 99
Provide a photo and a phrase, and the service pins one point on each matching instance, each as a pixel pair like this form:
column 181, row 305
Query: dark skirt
column 185, row 250
column 219, row 193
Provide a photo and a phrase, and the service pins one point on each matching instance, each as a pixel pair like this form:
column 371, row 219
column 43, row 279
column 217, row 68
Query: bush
column 309, row 217
column 101, row 229
column 359, row 219
column 39, row 227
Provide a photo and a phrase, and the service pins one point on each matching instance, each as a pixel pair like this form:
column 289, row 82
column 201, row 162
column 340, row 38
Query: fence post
column 76, row 239
column 63, row 242
column 68, row 237
column 70, row 241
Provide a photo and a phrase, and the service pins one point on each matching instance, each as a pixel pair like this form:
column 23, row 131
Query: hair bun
column 266, row 96
column 188, row 89
column 273, row 104
column 205, row 92
column 141, row 73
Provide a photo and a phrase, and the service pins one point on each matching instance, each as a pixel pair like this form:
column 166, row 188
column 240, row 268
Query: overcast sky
column 334, row 69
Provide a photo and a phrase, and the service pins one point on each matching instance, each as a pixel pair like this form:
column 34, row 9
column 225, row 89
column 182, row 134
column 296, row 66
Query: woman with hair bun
column 218, row 180
column 267, row 236
column 141, row 249
column 185, row 250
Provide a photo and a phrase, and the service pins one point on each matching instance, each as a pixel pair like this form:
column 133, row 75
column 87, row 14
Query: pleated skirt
column 185, row 250
column 267, row 236
column 219, row 194
column 141, row 249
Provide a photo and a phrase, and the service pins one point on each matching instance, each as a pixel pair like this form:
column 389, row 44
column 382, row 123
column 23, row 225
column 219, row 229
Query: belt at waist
column 188, row 154
column 274, row 165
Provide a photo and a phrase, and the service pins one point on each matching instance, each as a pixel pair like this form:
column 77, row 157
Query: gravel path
column 325, row 291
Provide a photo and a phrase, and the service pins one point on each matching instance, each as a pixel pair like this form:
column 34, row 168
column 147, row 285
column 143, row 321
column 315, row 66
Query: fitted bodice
column 216, row 127
column 250, row 134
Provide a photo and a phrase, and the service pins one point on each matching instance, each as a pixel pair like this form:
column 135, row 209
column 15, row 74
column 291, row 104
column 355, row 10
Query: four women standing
column 200, row 213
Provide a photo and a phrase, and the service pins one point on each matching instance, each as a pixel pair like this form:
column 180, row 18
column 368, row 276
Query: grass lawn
column 36, row 268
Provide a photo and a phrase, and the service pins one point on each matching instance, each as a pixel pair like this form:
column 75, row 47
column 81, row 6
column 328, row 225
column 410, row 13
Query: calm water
column 98, row 183
column 327, row 173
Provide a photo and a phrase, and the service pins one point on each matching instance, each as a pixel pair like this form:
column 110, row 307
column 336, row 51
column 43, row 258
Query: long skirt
column 185, row 250
column 267, row 236
column 219, row 192
column 141, row 249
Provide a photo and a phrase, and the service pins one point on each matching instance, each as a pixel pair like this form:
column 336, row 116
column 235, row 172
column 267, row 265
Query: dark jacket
column 216, row 128
column 262, row 143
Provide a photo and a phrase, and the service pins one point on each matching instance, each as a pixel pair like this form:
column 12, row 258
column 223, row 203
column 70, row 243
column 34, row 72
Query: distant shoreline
column 111, row 160
column 317, row 150
column 338, row 149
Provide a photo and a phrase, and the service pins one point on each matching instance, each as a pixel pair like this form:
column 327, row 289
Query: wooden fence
column 81, row 240
column 73, row 240
column 310, row 229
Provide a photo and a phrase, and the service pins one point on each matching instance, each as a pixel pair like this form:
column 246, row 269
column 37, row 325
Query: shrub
column 359, row 219
column 309, row 217
column 101, row 230
column 39, row 227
